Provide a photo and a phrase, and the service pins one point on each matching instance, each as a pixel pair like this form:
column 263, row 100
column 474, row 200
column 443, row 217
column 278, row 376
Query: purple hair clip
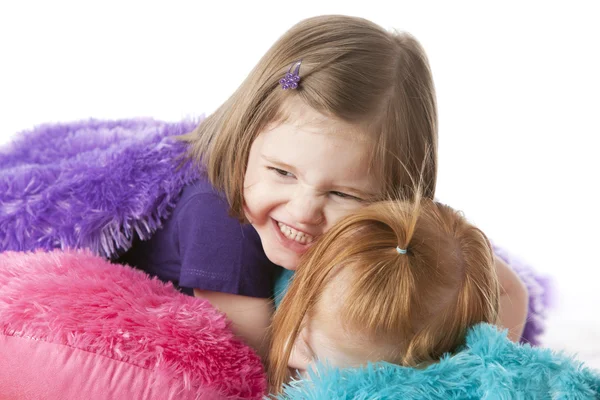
column 291, row 79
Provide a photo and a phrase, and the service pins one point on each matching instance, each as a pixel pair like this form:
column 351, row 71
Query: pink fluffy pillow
column 74, row 326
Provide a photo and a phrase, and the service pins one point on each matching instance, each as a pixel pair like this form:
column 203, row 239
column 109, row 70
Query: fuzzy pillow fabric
column 95, row 184
column 489, row 367
column 90, row 184
column 74, row 326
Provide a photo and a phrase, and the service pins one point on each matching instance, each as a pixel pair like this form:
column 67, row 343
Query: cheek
column 257, row 196
column 263, row 192
column 297, row 361
column 253, row 207
column 334, row 214
column 251, row 178
column 253, row 198
column 253, row 186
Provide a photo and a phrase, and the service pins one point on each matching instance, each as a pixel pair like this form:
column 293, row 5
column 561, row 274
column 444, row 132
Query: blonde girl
column 337, row 114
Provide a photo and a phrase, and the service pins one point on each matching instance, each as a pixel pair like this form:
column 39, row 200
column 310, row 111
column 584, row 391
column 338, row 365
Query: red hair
column 445, row 283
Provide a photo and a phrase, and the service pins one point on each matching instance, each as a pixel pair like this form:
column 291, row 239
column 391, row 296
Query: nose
column 306, row 208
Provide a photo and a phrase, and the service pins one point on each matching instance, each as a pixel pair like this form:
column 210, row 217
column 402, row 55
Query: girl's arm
column 250, row 316
column 514, row 301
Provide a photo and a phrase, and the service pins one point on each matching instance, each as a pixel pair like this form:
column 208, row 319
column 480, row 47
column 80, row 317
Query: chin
column 291, row 267
column 288, row 264
column 283, row 260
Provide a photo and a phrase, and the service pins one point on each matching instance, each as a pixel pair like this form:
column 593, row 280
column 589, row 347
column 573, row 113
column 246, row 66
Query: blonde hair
column 352, row 70
column 420, row 303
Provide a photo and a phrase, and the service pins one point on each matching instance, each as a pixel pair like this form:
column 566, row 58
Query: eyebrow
column 278, row 163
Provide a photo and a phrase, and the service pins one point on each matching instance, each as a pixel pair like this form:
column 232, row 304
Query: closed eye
column 346, row 196
column 308, row 358
column 281, row 172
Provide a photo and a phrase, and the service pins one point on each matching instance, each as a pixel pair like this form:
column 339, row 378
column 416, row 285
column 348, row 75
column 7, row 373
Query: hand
column 514, row 301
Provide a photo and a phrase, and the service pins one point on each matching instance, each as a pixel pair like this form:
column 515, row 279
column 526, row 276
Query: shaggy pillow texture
column 95, row 184
column 489, row 367
column 90, row 184
column 74, row 326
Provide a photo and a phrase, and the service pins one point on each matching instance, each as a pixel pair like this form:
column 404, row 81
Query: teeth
column 293, row 234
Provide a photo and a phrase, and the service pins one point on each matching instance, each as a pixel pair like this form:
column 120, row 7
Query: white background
column 517, row 83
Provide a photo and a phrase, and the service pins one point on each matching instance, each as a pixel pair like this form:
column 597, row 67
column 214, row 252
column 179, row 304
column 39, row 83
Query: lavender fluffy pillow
column 74, row 326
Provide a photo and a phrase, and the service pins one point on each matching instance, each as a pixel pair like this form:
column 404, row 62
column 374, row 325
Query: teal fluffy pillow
column 489, row 367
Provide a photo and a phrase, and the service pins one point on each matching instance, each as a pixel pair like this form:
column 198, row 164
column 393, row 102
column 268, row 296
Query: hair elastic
column 400, row 251
column 291, row 79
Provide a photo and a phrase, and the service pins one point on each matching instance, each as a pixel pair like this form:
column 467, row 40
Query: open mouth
column 294, row 234
column 291, row 238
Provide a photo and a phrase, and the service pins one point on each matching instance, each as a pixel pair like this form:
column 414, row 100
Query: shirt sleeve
column 217, row 253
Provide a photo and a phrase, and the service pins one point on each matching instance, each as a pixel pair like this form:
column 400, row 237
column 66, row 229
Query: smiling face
column 302, row 176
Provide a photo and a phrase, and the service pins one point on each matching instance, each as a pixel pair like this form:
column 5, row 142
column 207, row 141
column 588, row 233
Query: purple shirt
column 201, row 246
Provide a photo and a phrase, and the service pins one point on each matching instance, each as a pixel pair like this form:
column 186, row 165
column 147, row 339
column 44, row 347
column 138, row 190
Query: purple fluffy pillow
column 73, row 326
